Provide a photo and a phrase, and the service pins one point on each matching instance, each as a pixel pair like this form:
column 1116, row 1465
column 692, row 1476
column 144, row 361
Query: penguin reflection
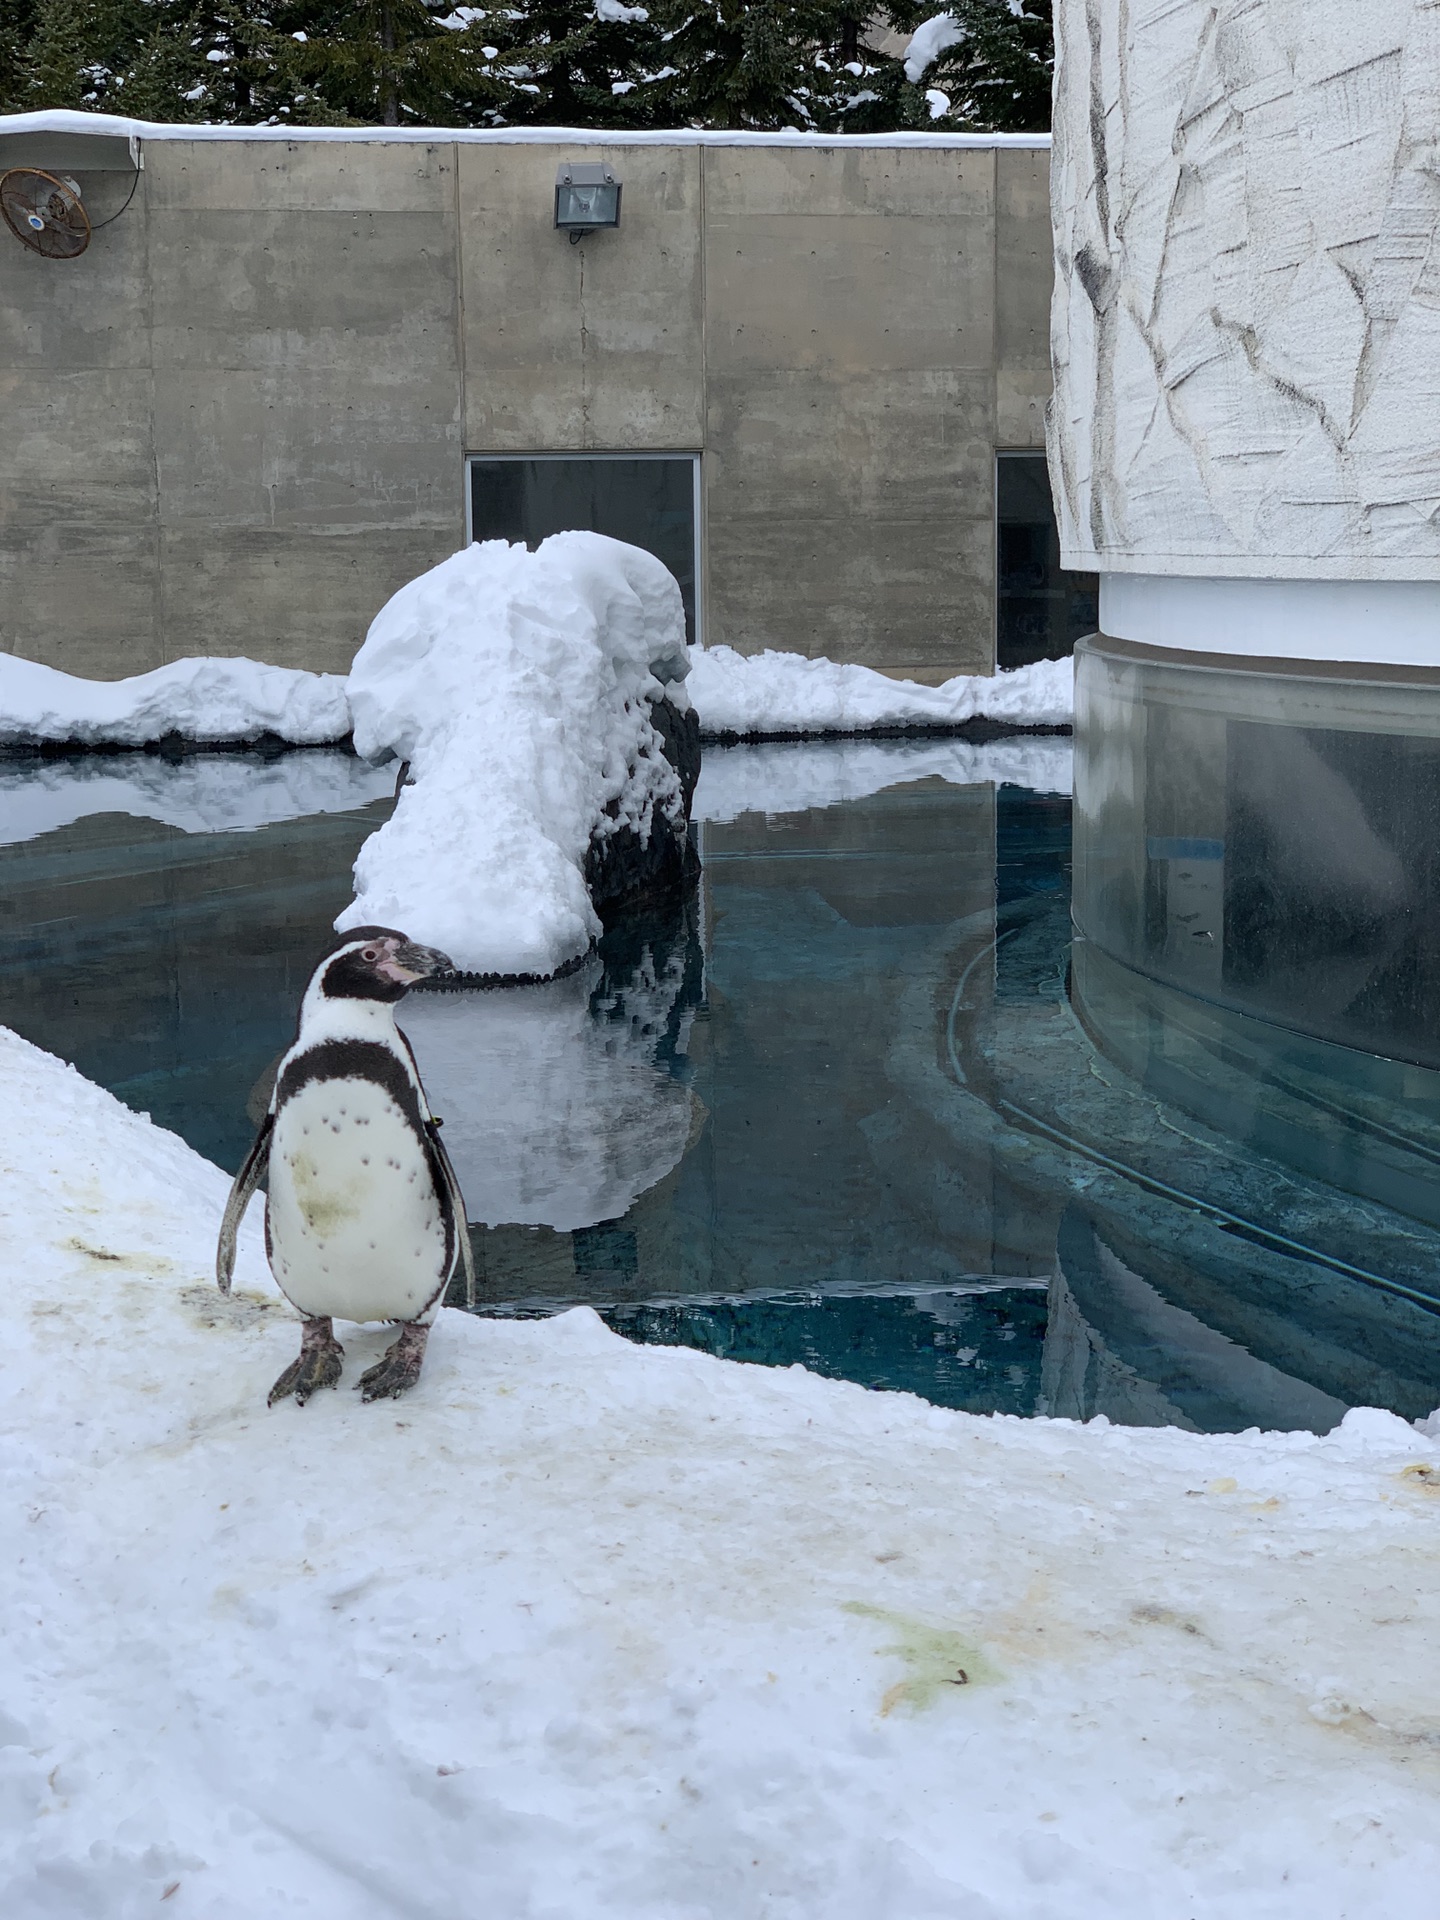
column 364, row 1218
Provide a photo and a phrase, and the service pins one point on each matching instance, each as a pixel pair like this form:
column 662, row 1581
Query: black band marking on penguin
column 352, row 1060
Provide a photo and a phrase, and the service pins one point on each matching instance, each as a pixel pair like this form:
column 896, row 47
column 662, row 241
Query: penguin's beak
column 410, row 962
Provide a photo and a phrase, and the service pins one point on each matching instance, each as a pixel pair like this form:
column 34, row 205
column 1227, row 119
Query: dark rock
column 680, row 738
column 621, row 869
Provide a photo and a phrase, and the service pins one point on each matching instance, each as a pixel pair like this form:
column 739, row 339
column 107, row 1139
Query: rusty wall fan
column 44, row 211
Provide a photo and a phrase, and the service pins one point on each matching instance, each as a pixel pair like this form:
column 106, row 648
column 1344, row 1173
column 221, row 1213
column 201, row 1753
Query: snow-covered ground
column 518, row 687
column 203, row 793
column 779, row 693
column 202, row 699
column 588, row 1629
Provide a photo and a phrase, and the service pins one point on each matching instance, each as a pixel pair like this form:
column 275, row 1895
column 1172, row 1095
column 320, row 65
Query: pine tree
column 18, row 23
column 565, row 63
column 389, row 61
column 767, row 64
column 808, row 64
column 234, row 60
column 219, row 61
column 989, row 67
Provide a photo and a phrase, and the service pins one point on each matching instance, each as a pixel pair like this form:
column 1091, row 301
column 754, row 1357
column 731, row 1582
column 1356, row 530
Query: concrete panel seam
column 460, row 355
column 702, row 483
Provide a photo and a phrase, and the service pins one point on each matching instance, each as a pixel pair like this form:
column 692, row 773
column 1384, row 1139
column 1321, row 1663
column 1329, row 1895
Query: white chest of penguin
column 354, row 1219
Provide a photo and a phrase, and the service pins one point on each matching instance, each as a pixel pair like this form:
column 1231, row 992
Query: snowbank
column 203, row 700
column 778, row 777
column 203, row 793
column 780, row 693
column 517, row 685
column 770, row 693
column 598, row 1630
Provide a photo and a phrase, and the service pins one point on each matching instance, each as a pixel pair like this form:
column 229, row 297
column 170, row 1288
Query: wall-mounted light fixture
column 587, row 196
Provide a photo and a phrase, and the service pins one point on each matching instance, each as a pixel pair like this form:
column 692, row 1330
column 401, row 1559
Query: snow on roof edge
column 117, row 126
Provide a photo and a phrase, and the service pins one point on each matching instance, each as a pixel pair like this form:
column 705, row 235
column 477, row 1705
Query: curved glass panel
column 1257, row 891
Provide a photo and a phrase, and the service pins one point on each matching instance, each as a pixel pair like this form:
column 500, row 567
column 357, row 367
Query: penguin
column 364, row 1218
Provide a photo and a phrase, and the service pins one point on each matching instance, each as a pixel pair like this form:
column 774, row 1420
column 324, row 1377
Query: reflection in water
column 200, row 793
column 559, row 1106
column 839, row 1112
column 1115, row 1345
column 770, row 777
column 168, row 964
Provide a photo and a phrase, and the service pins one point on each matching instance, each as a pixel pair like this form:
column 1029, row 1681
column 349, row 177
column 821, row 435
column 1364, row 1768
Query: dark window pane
column 1041, row 610
column 650, row 503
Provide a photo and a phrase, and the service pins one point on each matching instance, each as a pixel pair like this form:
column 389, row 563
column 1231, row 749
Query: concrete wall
column 239, row 421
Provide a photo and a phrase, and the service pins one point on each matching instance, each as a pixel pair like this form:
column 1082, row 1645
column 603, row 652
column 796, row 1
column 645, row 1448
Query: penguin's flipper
column 457, row 1208
column 246, row 1181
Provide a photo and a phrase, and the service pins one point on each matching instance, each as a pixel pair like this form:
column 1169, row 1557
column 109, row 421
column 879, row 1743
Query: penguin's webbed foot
column 319, row 1365
column 398, row 1371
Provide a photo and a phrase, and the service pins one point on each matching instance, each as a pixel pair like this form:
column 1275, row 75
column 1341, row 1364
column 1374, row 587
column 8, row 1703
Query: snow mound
column 771, row 693
column 202, row 700
column 593, row 1629
column 518, row 687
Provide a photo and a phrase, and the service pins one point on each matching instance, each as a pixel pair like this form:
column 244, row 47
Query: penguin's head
column 376, row 963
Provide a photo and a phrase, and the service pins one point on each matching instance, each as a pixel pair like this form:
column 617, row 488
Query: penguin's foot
column 400, row 1368
column 321, row 1358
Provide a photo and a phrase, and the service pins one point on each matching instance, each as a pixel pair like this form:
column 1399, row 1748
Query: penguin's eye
column 371, row 953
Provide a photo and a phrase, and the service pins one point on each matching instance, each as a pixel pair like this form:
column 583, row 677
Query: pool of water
column 836, row 1110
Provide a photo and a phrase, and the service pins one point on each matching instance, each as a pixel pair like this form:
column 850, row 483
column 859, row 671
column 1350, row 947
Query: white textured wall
column 1246, row 325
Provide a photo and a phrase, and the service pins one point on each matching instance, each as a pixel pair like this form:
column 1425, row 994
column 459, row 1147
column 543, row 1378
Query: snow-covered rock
column 519, row 687
column 201, row 699
column 786, row 693
column 588, row 1629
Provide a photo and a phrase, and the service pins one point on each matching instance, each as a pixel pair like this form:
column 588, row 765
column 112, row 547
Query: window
column 1041, row 611
column 647, row 499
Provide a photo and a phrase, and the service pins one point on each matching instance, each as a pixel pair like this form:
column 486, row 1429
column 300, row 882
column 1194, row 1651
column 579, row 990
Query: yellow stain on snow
column 148, row 1263
column 939, row 1661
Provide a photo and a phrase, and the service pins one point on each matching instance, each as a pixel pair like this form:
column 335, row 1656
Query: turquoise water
column 838, row 1111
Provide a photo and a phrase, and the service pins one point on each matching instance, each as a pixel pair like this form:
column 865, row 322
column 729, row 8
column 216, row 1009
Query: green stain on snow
column 939, row 1662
